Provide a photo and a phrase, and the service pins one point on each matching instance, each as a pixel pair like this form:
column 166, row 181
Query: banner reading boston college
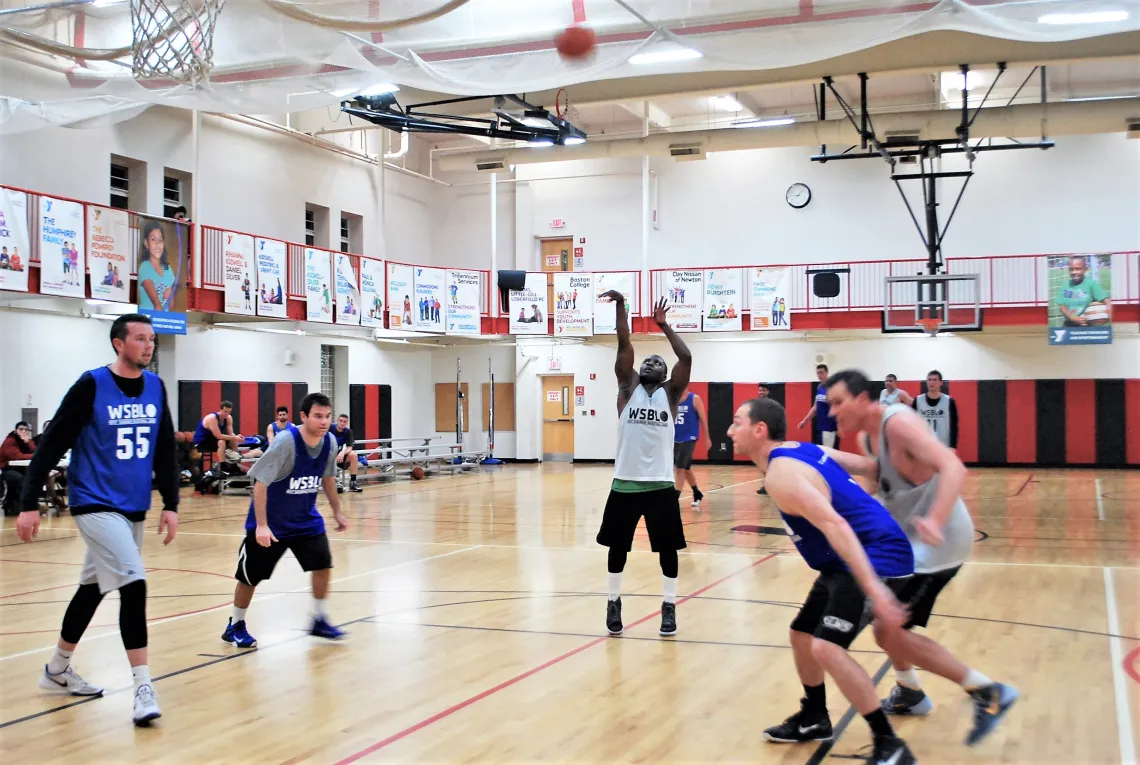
column 14, row 242
column 63, row 267
column 574, row 304
column 240, row 272
column 108, row 251
column 1080, row 299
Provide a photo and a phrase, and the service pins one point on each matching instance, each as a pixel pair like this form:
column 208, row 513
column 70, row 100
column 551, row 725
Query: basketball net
column 174, row 39
column 930, row 326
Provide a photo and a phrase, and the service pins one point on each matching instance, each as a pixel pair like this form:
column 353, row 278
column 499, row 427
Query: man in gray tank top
column 939, row 410
column 920, row 481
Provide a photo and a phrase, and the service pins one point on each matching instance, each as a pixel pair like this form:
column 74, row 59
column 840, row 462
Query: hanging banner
column 163, row 263
column 684, row 292
column 771, row 306
column 1080, row 299
column 463, row 317
column 723, row 306
column 428, row 306
column 347, row 291
column 270, row 278
column 528, row 307
column 400, row 296
column 605, row 312
column 62, row 262
column 573, row 304
column 108, row 253
column 318, row 285
column 15, row 246
column 240, row 276
column 371, row 289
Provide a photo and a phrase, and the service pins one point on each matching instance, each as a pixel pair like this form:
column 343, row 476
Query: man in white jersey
column 920, row 483
column 893, row 394
column 939, row 410
column 643, row 470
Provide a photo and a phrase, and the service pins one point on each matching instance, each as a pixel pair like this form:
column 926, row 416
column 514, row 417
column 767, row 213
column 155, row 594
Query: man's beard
column 648, row 381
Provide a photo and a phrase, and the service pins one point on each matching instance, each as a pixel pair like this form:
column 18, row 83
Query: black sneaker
column 805, row 725
column 668, row 619
column 907, row 701
column 762, row 491
column 354, row 488
column 891, row 750
column 991, row 702
column 613, row 617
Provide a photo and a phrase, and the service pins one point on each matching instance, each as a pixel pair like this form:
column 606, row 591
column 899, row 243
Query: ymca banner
column 605, row 312
column 371, row 292
column 240, row 276
column 684, row 292
column 574, row 304
column 347, row 291
column 15, row 246
column 400, row 297
column 271, row 278
column 108, row 250
column 162, row 265
column 771, row 306
column 463, row 303
column 528, row 307
column 62, row 262
column 1080, row 299
column 318, row 285
column 723, row 306
column 428, row 307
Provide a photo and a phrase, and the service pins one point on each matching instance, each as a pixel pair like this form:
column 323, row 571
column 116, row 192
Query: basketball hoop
column 930, row 326
column 174, row 39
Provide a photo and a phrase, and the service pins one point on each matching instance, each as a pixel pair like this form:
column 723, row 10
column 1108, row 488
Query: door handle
column 564, row 419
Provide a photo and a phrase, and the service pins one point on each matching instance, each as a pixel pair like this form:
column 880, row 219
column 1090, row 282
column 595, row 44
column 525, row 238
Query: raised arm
column 679, row 380
column 623, row 367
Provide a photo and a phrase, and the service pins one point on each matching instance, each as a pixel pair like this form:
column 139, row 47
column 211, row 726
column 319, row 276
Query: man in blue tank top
column 116, row 422
column 861, row 554
column 215, row 435
column 692, row 425
column 821, row 412
column 283, row 516
column 279, row 424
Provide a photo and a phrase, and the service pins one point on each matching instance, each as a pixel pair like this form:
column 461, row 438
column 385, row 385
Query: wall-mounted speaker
column 825, row 284
column 509, row 280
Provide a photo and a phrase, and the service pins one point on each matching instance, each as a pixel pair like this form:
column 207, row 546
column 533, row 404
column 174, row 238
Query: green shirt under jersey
column 636, row 487
column 1076, row 297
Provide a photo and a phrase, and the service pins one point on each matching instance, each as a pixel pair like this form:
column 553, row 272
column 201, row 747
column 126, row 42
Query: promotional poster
column 573, row 304
column 371, row 292
column 15, row 245
column 163, row 265
column 240, row 275
column 108, row 251
column 271, row 278
column 463, row 303
column 684, row 292
column 63, row 265
column 1080, row 299
column 428, row 300
column 605, row 312
column 723, row 307
column 771, row 306
column 319, row 286
column 400, row 296
column 528, row 307
column 347, row 291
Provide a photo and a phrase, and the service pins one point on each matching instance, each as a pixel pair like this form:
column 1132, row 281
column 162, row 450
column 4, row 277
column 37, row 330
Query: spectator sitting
column 16, row 447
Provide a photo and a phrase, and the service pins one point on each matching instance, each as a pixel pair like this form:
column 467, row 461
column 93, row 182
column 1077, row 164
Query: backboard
column 916, row 303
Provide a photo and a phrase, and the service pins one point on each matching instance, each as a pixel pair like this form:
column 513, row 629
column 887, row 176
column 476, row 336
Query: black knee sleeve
column 79, row 612
column 669, row 563
column 616, row 562
column 132, row 615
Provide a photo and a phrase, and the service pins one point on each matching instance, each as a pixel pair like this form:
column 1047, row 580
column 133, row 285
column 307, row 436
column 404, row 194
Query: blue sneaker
column 991, row 702
column 237, row 634
column 322, row 629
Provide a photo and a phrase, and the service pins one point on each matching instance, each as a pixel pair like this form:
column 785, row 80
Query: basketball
column 417, row 473
column 1096, row 313
column 576, row 42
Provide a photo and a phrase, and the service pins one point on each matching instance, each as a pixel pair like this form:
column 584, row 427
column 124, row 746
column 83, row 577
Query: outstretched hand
column 614, row 296
column 659, row 313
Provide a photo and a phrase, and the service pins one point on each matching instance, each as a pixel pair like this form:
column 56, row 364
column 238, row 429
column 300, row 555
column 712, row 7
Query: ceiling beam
column 658, row 118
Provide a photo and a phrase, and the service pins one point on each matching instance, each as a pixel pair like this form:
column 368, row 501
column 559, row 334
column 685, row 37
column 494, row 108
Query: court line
column 177, row 617
column 821, row 752
column 524, row 675
column 1123, row 714
column 1099, row 502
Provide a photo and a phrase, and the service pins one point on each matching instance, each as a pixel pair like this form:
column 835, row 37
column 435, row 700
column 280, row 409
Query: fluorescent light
column 344, row 92
column 1093, row 17
column 777, row 122
column 574, row 140
column 726, row 104
column 1097, row 98
column 665, row 55
column 540, row 143
column 106, row 3
column 380, row 89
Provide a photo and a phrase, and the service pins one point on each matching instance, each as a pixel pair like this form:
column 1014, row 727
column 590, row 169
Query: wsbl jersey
column 824, row 422
column 645, row 438
column 880, row 535
column 201, row 433
column 938, row 416
column 688, row 425
column 112, row 462
column 291, row 504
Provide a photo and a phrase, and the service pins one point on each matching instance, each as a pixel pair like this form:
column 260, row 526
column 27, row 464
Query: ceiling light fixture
column 1093, row 17
column 665, row 56
column 776, row 122
column 726, row 104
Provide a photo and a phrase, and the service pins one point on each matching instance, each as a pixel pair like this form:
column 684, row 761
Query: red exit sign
column 557, row 223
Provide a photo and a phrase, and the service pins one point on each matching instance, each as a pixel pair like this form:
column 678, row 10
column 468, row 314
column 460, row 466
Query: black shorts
column 919, row 593
column 836, row 610
column 208, row 444
column 662, row 514
column 683, row 454
column 256, row 563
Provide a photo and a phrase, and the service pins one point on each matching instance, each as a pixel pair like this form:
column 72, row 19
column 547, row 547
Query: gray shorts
column 114, row 550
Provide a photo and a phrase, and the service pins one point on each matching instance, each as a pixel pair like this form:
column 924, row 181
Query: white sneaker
column 696, row 504
column 146, row 706
column 68, row 681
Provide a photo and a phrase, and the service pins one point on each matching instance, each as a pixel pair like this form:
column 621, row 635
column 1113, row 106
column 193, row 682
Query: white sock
column 239, row 614
column 975, row 679
column 615, row 585
column 908, row 678
column 670, row 589
column 320, row 608
column 142, row 675
column 60, row 661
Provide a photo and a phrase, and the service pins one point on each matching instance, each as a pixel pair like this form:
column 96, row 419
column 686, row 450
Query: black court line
column 824, row 748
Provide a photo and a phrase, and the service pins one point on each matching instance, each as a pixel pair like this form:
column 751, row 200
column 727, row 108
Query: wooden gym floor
column 476, row 611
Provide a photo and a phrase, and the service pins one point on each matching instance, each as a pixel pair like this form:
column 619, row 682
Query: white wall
column 473, row 361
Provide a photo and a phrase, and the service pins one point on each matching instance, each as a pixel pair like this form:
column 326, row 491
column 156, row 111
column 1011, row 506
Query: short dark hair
column 345, row 416
column 180, row 209
column 823, row 367
column 855, row 381
column 281, row 409
column 119, row 325
column 22, row 424
column 226, row 405
column 891, row 377
column 762, row 385
column 314, row 399
column 771, row 413
column 934, row 372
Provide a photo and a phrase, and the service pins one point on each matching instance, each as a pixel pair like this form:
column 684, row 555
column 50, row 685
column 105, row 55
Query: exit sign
column 557, row 223
column 554, row 365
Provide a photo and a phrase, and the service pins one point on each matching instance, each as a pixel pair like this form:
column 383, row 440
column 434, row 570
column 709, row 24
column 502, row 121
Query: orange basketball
column 417, row 472
column 576, row 42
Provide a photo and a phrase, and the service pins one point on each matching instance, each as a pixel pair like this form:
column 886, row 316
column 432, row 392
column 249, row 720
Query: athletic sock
column 816, row 696
column 974, row 680
column 141, row 674
column 670, row 589
column 60, row 660
column 880, row 725
column 614, row 585
column 908, row 678
column 352, row 480
column 239, row 614
column 320, row 608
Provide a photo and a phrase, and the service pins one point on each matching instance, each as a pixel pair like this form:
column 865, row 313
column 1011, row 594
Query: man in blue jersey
column 278, row 425
column 283, row 516
column 821, row 412
column 346, row 457
column 215, row 435
column 692, row 424
column 861, row 554
column 116, row 422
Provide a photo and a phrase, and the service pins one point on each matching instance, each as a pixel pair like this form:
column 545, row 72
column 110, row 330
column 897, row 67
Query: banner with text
column 1080, row 299
column 574, row 304
column 723, row 307
column 15, row 245
column 318, row 285
column 605, row 312
column 371, row 289
column 271, row 278
column 400, row 291
column 347, row 291
column 771, row 306
column 684, row 292
column 240, row 274
column 163, row 263
column 108, row 252
column 528, row 307
column 428, row 307
column 463, row 303
column 62, row 262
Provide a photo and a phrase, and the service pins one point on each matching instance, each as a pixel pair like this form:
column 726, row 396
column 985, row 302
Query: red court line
column 534, row 670
column 1130, row 662
column 33, row 592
